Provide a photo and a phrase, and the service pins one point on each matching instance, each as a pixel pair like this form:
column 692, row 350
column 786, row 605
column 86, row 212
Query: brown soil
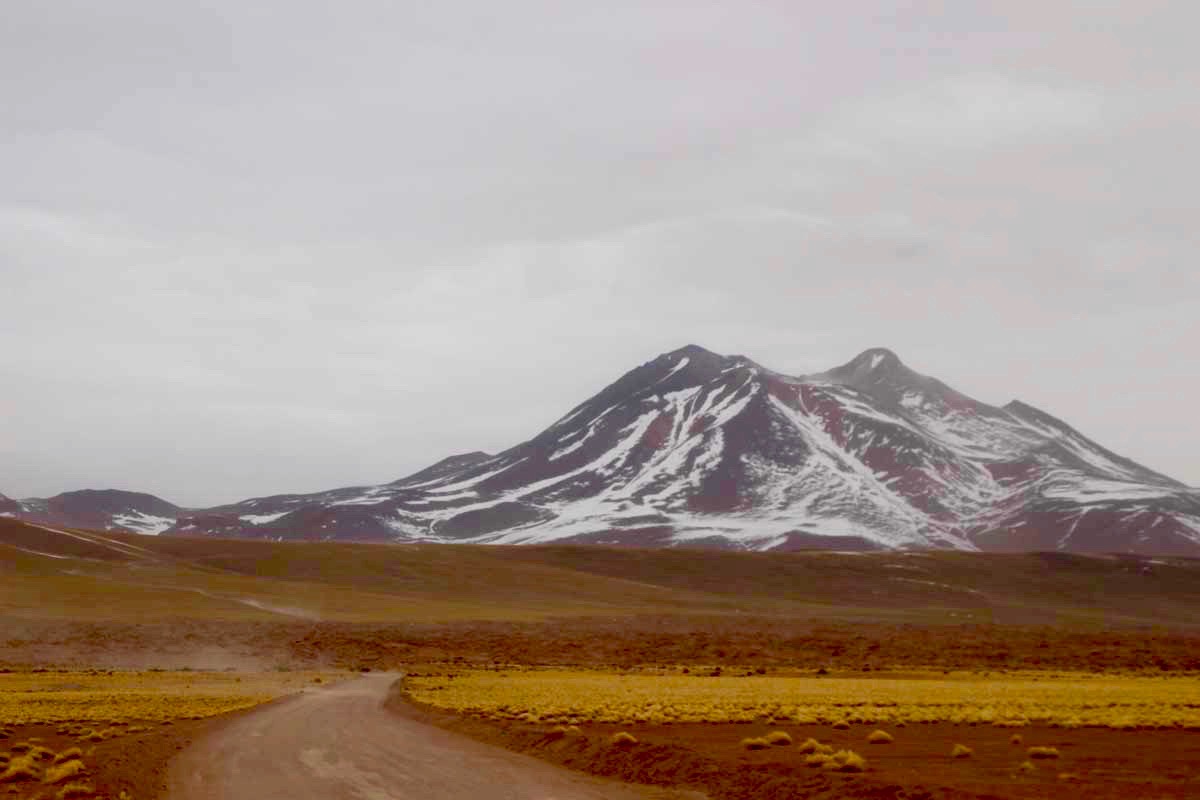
column 1095, row 764
column 732, row 644
column 135, row 763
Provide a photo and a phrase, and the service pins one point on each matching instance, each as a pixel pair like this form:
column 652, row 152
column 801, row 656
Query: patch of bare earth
column 1093, row 764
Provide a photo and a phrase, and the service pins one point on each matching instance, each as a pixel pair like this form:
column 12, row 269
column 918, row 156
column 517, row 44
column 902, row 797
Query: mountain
column 105, row 509
column 695, row 448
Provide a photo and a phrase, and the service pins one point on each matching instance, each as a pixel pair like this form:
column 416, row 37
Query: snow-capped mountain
column 694, row 448
column 98, row 509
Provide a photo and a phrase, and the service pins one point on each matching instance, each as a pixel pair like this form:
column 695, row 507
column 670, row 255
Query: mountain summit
column 696, row 448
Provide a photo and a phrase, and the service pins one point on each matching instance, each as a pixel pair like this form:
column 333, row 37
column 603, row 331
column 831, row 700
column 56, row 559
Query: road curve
column 339, row 743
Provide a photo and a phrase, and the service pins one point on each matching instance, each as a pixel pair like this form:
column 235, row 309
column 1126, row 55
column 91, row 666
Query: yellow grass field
column 29, row 698
column 556, row 696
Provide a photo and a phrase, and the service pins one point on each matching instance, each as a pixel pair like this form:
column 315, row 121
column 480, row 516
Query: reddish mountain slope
column 702, row 449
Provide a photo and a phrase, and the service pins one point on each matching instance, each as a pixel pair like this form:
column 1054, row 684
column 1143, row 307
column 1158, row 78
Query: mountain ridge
column 696, row 448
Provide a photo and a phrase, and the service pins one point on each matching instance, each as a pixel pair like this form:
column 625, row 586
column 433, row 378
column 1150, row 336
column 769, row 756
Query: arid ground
column 75, row 600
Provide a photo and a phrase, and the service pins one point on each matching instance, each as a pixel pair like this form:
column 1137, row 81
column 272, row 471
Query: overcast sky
column 279, row 245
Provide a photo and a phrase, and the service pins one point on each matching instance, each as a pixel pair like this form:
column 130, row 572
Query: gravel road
column 339, row 743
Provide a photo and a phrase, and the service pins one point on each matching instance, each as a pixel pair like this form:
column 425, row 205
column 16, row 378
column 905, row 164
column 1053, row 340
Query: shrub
column 756, row 743
column 813, row 746
column 64, row 771
column 779, row 738
column 622, row 739
column 841, row 725
column 21, row 747
column 961, row 751
column 1016, row 740
column 22, row 768
column 1042, row 752
column 817, row 759
column 880, row 737
column 75, row 790
column 1027, row 767
column 846, row 761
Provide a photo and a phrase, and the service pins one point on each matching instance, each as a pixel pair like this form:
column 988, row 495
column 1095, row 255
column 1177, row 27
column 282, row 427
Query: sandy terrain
column 340, row 743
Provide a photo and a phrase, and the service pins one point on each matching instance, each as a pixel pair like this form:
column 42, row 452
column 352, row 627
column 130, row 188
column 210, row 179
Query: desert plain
column 683, row 673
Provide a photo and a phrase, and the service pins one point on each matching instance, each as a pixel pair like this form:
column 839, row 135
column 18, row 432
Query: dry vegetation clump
column 756, row 743
column 841, row 761
column 813, row 746
column 21, row 768
column 64, row 771
column 841, row 725
column 1016, row 740
column 779, row 738
column 622, row 739
column 846, row 761
column 880, row 737
column 1042, row 752
column 961, row 751
column 1027, row 767
column 75, row 790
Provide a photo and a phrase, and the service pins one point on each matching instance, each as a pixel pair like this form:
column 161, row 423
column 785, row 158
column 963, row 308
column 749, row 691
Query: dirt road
column 338, row 743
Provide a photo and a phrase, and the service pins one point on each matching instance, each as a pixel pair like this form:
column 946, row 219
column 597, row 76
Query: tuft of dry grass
column 846, row 761
column 961, row 751
column 21, row 768
column 64, row 771
column 880, row 737
column 756, row 743
column 70, row 754
column 779, row 738
column 75, row 790
column 813, row 746
column 1042, row 752
column 41, row 753
column 622, row 739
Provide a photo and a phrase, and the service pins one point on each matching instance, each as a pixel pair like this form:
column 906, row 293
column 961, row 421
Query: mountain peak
column 690, row 351
column 876, row 359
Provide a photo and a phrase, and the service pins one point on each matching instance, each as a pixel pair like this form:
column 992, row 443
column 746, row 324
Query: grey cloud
column 261, row 247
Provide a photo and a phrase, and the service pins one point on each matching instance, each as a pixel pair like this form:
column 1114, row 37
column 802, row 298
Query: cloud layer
column 268, row 247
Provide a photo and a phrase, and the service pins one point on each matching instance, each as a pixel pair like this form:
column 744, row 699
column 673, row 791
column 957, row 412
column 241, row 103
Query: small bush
column 756, row 743
column 1042, row 752
column 75, row 790
column 64, row 771
column 21, row 747
column 841, row 725
column 817, row 759
column 622, row 739
column 813, row 746
column 961, row 751
column 1027, row 767
column 1016, row 740
column 22, row 768
column 573, row 730
column 779, row 738
column 880, row 737
column 846, row 761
